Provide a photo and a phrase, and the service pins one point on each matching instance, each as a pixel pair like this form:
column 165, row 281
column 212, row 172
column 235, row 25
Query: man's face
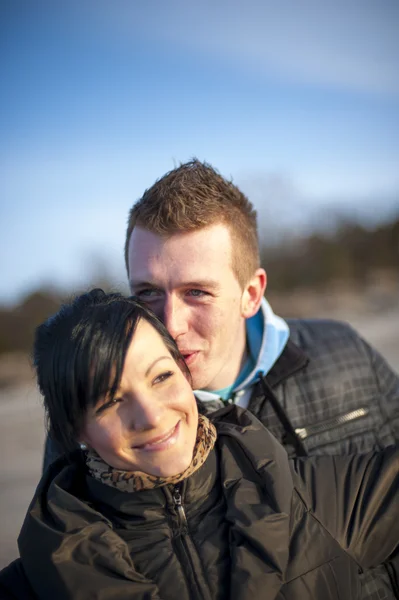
column 188, row 281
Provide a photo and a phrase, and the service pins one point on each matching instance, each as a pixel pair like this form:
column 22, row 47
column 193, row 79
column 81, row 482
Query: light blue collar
column 267, row 336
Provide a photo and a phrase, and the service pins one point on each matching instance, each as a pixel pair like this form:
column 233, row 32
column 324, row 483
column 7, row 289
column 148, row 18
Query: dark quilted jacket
column 341, row 397
column 339, row 394
column 255, row 526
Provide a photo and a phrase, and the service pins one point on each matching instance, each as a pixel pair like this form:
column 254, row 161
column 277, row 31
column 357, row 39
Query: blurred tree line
column 350, row 255
column 17, row 325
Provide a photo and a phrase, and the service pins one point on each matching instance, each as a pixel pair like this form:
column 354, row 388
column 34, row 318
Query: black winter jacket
column 247, row 525
column 329, row 393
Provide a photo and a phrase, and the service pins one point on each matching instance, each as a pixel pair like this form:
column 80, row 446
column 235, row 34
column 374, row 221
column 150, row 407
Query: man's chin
column 201, row 383
column 200, row 377
column 198, row 383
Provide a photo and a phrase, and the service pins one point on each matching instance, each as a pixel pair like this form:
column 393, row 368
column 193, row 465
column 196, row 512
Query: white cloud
column 350, row 45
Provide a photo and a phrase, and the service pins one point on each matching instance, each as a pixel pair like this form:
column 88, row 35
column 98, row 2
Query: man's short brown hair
column 194, row 196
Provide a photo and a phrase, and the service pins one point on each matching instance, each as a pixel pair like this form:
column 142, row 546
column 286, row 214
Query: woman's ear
column 253, row 294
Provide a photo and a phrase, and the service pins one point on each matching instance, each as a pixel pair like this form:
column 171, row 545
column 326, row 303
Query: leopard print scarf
column 134, row 481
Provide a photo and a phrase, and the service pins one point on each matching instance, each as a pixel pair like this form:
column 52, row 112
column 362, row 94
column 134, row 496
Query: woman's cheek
column 105, row 435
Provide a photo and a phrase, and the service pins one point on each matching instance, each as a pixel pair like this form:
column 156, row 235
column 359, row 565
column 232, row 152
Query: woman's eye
column 107, row 405
column 163, row 377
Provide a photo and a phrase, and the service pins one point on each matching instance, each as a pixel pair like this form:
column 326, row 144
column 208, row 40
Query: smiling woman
column 161, row 501
column 150, row 422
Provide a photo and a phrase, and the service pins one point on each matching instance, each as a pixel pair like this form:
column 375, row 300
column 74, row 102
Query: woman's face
column 151, row 424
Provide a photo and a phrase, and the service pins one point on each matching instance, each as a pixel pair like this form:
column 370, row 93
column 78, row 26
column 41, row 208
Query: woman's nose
column 147, row 413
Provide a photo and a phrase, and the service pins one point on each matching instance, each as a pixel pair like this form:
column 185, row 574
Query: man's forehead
column 211, row 242
column 180, row 261
column 146, row 236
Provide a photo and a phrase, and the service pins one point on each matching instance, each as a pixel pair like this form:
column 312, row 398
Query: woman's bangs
column 107, row 357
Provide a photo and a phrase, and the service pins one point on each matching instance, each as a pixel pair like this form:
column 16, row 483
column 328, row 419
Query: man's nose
column 175, row 316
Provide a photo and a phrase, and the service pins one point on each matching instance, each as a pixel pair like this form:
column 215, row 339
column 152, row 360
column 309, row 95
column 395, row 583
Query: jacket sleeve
column 356, row 498
column 388, row 384
column 69, row 550
column 14, row 584
column 93, row 563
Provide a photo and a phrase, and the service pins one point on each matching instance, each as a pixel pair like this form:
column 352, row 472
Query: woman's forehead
column 145, row 347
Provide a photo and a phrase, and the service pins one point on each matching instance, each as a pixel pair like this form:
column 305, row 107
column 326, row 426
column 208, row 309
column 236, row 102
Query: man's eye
column 163, row 377
column 196, row 293
column 147, row 293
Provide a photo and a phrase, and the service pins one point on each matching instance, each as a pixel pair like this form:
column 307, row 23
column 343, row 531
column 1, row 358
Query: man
column 192, row 255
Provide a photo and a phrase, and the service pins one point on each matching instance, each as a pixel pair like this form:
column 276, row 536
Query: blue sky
column 298, row 102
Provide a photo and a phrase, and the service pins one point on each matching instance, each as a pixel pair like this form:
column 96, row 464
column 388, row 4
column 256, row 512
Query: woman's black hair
column 79, row 355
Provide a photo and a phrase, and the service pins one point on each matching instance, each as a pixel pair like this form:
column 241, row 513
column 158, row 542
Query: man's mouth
column 189, row 357
column 161, row 442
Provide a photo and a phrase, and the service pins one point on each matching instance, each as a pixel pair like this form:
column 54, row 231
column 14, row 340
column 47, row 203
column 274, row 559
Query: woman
column 161, row 502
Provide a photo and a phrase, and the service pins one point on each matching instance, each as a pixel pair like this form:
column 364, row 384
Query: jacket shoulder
column 329, row 339
column 14, row 584
column 304, row 331
column 242, row 429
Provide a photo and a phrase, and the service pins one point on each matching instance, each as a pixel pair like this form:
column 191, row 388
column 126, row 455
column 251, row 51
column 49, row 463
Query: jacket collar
column 267, row 336
column 292, row 360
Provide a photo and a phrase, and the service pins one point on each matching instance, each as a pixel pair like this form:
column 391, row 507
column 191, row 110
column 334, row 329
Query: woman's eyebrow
column 155, row 362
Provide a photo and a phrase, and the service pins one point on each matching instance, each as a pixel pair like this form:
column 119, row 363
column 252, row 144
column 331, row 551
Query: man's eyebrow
column 155, row 362
column 141, row 284
column 203, row 283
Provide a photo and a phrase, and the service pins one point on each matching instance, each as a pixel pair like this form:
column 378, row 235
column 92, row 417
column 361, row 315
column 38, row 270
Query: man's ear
column 253, row 294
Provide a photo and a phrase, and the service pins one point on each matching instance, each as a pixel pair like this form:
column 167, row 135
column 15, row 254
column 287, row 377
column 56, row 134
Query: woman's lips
column 162, row 442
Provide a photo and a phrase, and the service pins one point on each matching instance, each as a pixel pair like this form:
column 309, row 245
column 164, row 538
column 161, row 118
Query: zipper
column 304, row 432
column 181, row 515
column 182, row 541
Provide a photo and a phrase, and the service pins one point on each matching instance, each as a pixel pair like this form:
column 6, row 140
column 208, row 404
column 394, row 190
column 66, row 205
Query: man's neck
column 230, row 375
column 227, row 393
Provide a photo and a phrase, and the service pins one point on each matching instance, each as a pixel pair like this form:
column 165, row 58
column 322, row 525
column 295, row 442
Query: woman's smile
column 162, row 442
